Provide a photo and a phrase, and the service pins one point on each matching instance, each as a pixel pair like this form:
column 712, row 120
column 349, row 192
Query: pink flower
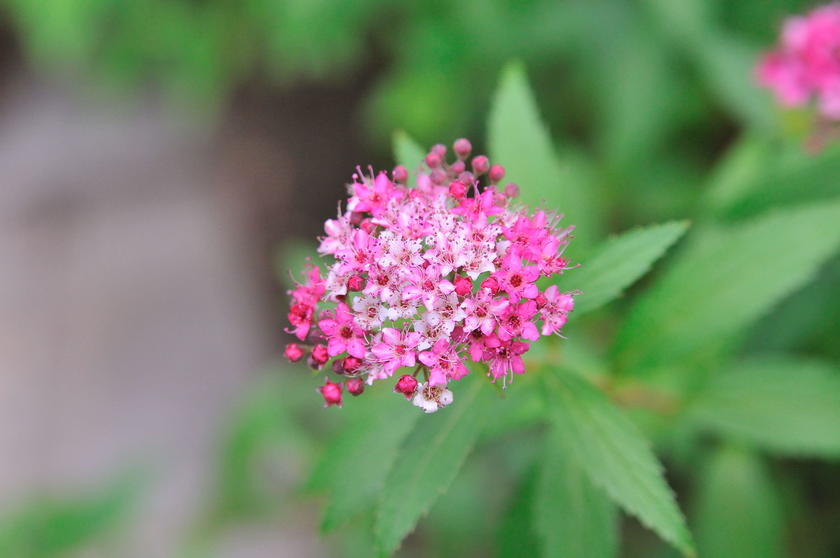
column 806, row 65
column 517, row 322
column 444, row 364
column 505, row 357
column 396, row 349
column 517, row 280
column 401, row 274
column 555, row 308
column 342, row 333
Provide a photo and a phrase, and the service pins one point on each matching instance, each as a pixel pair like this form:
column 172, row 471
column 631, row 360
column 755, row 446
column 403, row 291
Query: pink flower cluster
column 806, row 65
column 428, row 277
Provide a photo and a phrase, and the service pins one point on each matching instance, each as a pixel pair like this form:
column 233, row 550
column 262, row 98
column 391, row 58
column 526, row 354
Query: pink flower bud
column 433, row 160
column 491, row 284
column 462, row 148
column 400, row 174
column 293, row 352
column 331, row 392
column 463, row 286
column 319, row 357
column 458, row 190
column 466, row 177
column 437, row 177
column 480, row 164
column 457, row 167
column 407, row 385
column 338, row 366
column 351, row 364
column 355, row 386
column 497, row 172
column 356, row 283
column 439, row 149
column 511, row 190
column 541, row 300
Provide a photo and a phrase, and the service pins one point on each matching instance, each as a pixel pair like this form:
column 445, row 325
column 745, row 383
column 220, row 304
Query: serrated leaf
column 353, row 467
column 615, row 456
column 618, row 263
column 428, row 464
column 519, row 141
column 726, row 278
column 783, row 404
column 739, row 511
column 408, row 153
column 573, row 517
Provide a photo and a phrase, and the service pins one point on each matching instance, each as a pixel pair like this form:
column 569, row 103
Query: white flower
column 431, row 398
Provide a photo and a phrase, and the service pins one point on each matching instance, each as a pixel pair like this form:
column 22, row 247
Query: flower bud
column 458, row 190
column 437, row 177
column 407, row 385
column 463, row 286
column 331, row 392
column 491, row 284
column 338, row 366
column 400, row 174
column 480, row 164
column 541, row 300
column 466, row 177
column 355, row 386
column 439, row 149
column 356, row 283
column 293, row 352
column 319, row 357
column 433, row 160
column 351, row 364
column 511, row 190
column 462, row 148
column 497, row 172
column 457, row 167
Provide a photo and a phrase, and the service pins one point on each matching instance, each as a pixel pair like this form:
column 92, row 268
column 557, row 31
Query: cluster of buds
column 428, row 277
column 806, row 64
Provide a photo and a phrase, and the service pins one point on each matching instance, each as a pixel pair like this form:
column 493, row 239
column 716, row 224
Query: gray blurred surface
column 130, row 310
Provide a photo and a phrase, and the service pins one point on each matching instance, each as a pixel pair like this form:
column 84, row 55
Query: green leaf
column 408, row 153
column 726, row 278
column 783, row 404
column 573, row 517
column 516, row 536
column 58, row 526
column 610, row 449
column 618, row 263
column 520, row 142
column 428, row 464
column 739, row 511
column 353, row 467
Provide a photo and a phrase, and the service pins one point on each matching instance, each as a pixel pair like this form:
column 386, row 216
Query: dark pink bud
column 463, row 286
column 541, row 300
column 439, row 149
column 331, row 393
column 458, row 190
column 355, row 386
column 400, row 174
column 511, row 190
column 497, row 172
column 356, row 283
column 480, row 164
column 437, row 177
column 319, row 356
column 433, row 160
column 351, row 364
column 406, row 385
column 338, row 366
column 293, row 352
column 491, row 284
column 462, row 148
column 457, row 167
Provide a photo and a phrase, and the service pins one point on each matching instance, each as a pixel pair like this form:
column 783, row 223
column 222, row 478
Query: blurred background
column 160, row 161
